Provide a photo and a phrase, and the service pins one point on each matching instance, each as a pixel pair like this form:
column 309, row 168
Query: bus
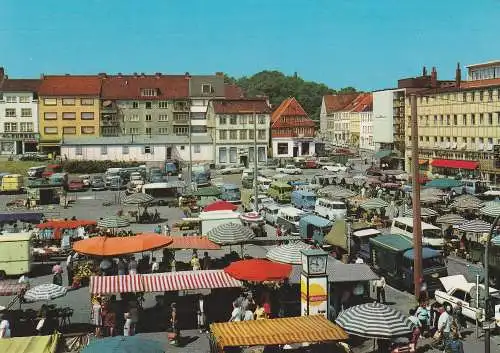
column 431, row 235
column 288, row 218
column 281, row 192
column 166, row 193
column 329, row 209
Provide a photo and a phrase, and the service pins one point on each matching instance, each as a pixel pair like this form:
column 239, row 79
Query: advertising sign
column 313, row 295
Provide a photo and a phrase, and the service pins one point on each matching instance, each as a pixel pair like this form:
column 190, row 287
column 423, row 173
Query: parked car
column 86, row 179
column 76, row 185
column 289, row 169
column 237, row 169
column 34, row 156
column 97, row 183
column 334, row 168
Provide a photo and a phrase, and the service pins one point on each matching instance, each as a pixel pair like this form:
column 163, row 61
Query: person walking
column 444, row 326
column 206, row 261
column 201, row 317
column 379, row 288
column 424, row 316
column 195, row 262
column 132, row 266
column 174, row 337
column 415, row 334
column 155, row 266
column 4, row 327
column 69, row 270
column 122, row 267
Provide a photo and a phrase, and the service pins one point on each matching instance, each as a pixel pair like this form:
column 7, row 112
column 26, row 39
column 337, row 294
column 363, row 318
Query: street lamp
column 495, row 241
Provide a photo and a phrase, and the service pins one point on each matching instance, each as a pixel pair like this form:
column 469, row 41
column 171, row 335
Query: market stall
column 188, row 280
column 38, row 344
column 107, row 285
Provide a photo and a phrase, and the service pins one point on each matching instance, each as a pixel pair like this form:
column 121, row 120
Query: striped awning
column 113, row 222
column 491, row 209
column 424, row 212
column 8, row 288
column 475, row 226
column 277, row 331
column 186, row 280
column 372, row 204
column 451, row 218
column 116, row 284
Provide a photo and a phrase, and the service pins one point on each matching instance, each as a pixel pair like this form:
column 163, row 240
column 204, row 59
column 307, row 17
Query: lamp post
column 487, row 284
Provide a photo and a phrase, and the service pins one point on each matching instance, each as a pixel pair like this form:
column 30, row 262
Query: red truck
column 51, row 169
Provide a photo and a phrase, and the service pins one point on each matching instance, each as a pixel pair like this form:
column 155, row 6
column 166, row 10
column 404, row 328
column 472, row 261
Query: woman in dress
column 97, row 315
column 4, row 327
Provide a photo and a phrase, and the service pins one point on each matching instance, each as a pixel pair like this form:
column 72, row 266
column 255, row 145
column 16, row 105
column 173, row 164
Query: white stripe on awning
column 116, row 284
column 186, row 280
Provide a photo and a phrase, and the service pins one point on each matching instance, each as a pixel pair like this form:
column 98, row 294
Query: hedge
column 91, row 167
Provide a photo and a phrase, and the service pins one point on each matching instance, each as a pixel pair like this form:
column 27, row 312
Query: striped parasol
column 253, row 216
column 336, row 192
column 374, row 320
column 464, row 202
column 137, row 199
column 491, row 208
column 451, row 218
column 430, row 199
column 113, row 222
column 424, row 212
column 373, row 204
column 392, row 210
column 288, row 253
column 230, row 233
column 47, row 291
column 475, row 226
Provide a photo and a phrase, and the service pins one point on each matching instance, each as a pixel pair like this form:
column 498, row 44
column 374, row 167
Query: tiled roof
column 233, row 91
column 70, row 85
column 337, row 102
column 238, row 106
column 20, row 85
column 362, row 103
column 130, row 86
column 289, row 107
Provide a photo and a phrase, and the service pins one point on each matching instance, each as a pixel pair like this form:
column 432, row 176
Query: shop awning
column 277, row 331
column 186, row 280
column 116, row 284
column 38, row 344
column 8, row 288
column 193, row 242
column 382, row 154
column 455, row 164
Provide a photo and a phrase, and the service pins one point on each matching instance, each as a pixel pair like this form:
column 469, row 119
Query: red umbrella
column 258, row 270
column 220, row 206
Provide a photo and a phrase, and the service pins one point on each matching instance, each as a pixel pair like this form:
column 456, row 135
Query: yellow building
column 459, row 126
column 68, row 106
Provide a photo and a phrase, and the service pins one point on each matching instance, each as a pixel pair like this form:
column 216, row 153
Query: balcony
column 181, row 107
column 181, row 119
column 110, row 122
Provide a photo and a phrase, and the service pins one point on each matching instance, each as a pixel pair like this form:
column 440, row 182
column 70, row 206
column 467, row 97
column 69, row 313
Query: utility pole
column 487, row 305
column 190, row 167
column 256, row 169
column 417, row 221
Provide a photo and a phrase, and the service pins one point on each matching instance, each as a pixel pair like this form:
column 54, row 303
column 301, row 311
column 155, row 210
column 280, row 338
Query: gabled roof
column 239, row 106
column 362, row 103
column 20, row 85
column 233, row 91
column 70, row 85
column 337, row 102
column 289, row 107
column 129, row 87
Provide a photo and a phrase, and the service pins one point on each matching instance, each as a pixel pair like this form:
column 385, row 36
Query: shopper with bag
column 442, row 334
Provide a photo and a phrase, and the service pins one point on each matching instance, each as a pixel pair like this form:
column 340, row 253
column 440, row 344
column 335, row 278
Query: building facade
column 389, row 120
column 292, row 131
column 68, row 106
column 236, row 126
column 459, row 125
column 19, row 116
column 366, row 132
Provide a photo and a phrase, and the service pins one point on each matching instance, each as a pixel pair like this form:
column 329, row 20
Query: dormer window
column 207, row 88
column 149, row 92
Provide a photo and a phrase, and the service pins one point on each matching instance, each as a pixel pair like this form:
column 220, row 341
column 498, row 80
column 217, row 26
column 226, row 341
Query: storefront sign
column 313, row 295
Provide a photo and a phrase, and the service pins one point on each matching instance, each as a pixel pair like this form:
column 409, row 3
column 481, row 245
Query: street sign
column 489, row 325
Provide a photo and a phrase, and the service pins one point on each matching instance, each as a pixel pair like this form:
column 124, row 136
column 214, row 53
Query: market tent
column 31, row 344
column 116, row 284
column 467, row 202
column 113, row 222
column 424, row 212
column 137, row 199
column 491, row 208
column 337, row 235
column 444, row 183
column 451, row 218
column 188, row 280
column 258, row 270
column 124, row 344
column 30, row 217
column 220, row 205
column 46, row 291
column 288, row 253
column 374, row 204
column 253, row 217
column 339, row 272
column 336, row 192
column 276, row 331
column 192, row 242
column 11, row 287
column 230, row 233
column 475, row 226
column 114, row 246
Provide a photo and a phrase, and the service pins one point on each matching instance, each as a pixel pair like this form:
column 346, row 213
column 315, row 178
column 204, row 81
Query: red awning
column 116, row 284
column 185, row 280
column 8, row 288
column 220, row 206
column 258, row 270
column 455, row 164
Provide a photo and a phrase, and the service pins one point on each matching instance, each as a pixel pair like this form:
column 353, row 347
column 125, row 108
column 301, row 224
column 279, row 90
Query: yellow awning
column 277, row 331
column 338, row 235
column 38, row 344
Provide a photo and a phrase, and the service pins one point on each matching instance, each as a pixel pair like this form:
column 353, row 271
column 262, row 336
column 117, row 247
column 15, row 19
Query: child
column 127, row 327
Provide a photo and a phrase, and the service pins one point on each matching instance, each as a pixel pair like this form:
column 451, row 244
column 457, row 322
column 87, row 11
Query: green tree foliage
column 277, row 87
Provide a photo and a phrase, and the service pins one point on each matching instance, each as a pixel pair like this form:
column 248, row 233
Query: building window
column 261, row 134
column 233, row 155
column 50, row 116
column 125, row 150
column 87, row 115
column 163, row 117
column 472, row 96
column 243, row 119
column 222, row 120
column 464, row 119
column 148, row 131
column 233, row 120
column 473, row 119
column 10, row 112
column 222, row 134
column 222, row 154
column 6, row 127
column 104, row 150
column 464, row 97
column 481, row 119
column 149, row 92
column 243, row 134
column 198, row 129
column 163, row 104
column 134, row 117
column 490, row 118
column 26, row 112
column 24, row 99
column 69, row 130
column 183, row 148
column 50, row 101
column 148, row 117
column 181, row 130
column 481, row 95
column 133, row 130
column 87, row 101
column 148, row 150
column 26, row 127
column 207, row 88
column 233, row 135
column 11, row 99
column 455, row 119
column 262, row 119
column 251, row 134
column 50, row 130
column 261, row 154
column 87, row 130
column 197, row 149
column 135, row 105
column 78, row 150
column 148, row 105
column 69, row 116
column 282, row 148
column 163, row 131
column 447, row 120
column 68, row 101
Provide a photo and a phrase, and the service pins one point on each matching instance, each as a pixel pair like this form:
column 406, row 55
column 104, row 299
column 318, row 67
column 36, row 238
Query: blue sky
column 367, row 44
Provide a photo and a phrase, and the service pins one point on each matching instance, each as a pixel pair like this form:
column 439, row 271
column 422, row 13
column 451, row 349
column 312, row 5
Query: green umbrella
column 491, row 209
column 124, row 344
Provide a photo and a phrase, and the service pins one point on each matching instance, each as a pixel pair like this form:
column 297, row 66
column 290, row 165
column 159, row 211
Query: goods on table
column 82, row 273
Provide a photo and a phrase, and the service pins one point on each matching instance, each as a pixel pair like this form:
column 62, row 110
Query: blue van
column 304, row 200
column 314, row 228
column 230, row 193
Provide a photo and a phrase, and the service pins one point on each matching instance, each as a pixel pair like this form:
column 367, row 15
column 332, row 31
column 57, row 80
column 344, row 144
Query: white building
column 18, row 115
column 231, row 125
column 366, row 132
column 388, row 119
column 141, row 148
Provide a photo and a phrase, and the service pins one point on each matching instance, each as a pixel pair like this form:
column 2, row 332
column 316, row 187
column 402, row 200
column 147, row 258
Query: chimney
column 119, row 75
column 102, row 75
column 434, row 76
column 135, row 74
column 2, row 73
column 187, row 75
column 158, row 74
column 42, row 76
column 458, row 76
column 424, row 71
column 143, row 74
column 219, row 74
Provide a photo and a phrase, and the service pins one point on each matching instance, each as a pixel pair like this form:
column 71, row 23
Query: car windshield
column 433, row 262
column 311, row 198
column 432, row 233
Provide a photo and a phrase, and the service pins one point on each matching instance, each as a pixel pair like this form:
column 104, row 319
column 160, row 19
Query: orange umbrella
column 70, row 224
column 193, row 242
column 114, row 246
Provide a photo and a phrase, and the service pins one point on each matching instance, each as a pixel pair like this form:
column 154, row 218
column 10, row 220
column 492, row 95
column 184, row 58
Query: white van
column 329, row 209
column 431, row 235
column 263, row 183
column 210, row 220
column 270, row 213
column 288, row 218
